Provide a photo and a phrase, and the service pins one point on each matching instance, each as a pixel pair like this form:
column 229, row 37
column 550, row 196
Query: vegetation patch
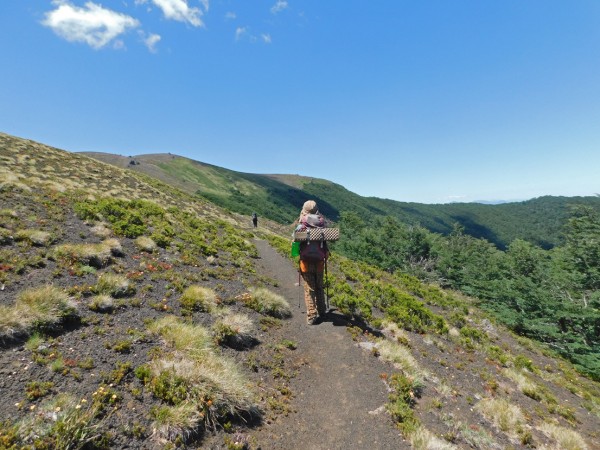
column 198, row 298
column 145, row 244
column 95, row 255
column 234, row 330
column 506, row 416
column 267, row 302
column 565, row 438
column 34, row 237
column 114, row 285
column 35, row 308
column 199, row 386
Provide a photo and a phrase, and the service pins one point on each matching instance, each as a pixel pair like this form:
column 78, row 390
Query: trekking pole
column 299, row 286
column 326, row 287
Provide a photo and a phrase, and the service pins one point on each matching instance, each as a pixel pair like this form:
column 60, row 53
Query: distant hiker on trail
column 313, row 255
column 254, row 219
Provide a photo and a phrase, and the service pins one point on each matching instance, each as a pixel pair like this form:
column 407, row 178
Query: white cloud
column 266, row 38
column 279, row 6
column 230, row 16
column 180, row 11
column 239, row 32
column 92, row 24
column 151, row 40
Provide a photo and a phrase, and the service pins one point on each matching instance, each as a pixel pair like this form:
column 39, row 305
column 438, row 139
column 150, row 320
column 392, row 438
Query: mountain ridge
column 277, row 196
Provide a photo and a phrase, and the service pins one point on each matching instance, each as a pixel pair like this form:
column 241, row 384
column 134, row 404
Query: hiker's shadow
column 338, row 319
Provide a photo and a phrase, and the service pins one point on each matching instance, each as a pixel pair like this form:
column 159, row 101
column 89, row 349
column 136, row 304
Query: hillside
column 539, row 221
column 136, row 315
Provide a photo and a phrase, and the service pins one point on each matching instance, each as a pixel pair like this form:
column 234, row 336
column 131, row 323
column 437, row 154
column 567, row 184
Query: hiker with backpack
column 313, row 256
column 254, row 219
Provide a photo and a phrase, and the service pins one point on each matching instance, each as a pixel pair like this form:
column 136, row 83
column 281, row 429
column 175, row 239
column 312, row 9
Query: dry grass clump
column 37, row 307
column 525, row 385
column 182, row 337
column 101, row 230
column 566, row 439
column 62, row 422
column 423, row 439
column 145, row 244
column 173, row 422
column 6, row 236
column 114, row 245
column 504, row 415
column 233, row 330
column 34, row 237
column 198, row 298
column 95, row 255
column 101, row 303
column 269, row 303
column 114, row 285
column 11, row 181
column 200, row 385
column 400, row 356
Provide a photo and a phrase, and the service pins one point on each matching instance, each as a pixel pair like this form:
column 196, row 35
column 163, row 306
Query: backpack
column 313, row 251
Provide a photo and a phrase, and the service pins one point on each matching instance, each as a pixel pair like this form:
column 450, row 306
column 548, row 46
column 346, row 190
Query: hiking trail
column 338, row 393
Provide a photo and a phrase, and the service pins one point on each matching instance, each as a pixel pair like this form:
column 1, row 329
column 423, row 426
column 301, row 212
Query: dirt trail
column 339, row 395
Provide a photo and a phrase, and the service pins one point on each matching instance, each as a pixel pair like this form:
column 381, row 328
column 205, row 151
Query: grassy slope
column 460, row 375
column 278, row 197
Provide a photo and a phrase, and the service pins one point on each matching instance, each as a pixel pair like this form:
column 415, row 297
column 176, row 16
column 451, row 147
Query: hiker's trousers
column 314, row 295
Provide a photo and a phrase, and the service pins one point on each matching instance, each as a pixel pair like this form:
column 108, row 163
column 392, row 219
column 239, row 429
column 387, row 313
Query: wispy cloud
column 91, row 24
column 180, row 11
column 279, row 6
column 239, row 32
column 266, row 38
column 230, row 15
column 151, row 40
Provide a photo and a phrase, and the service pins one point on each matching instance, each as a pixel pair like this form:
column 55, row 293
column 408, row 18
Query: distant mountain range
column 279, row 198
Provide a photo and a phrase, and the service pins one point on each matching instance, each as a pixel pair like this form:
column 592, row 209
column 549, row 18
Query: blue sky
column 424, row 101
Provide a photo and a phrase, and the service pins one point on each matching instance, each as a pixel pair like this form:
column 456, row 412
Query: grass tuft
column 266, row 302
column 101, row 303
column 566, row 439
column 423, row 439
column 95, row 255
column 233, row 330
column 38, row 307
column 198, row 298
column 34, row 237
column 114, row 285
column 145, row 244
column 199, row 385
column 504, row 415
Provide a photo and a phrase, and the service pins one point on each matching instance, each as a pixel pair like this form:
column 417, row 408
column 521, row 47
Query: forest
column 552, row 296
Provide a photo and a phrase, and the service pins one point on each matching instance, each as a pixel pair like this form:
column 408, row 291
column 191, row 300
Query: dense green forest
column 552, row 296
